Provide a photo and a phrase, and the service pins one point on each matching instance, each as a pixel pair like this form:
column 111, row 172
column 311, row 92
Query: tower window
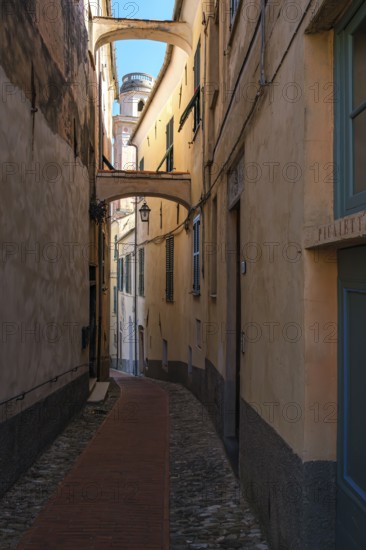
column 140, row 105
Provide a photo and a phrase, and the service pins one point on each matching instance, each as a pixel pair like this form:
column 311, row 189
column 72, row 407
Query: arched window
column 140, row 105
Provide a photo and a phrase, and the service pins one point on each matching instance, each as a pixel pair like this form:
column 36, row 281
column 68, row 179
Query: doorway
column 233, row 336
column 351, row 474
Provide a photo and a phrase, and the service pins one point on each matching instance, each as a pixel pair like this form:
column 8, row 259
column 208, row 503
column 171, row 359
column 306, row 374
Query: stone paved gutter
column 207, row 509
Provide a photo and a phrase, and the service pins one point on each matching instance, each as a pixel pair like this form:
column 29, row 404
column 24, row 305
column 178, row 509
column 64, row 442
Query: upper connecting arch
column 109, row 29
column 117, row 184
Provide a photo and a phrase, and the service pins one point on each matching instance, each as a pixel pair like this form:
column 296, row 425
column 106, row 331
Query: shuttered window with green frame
column 350, row 112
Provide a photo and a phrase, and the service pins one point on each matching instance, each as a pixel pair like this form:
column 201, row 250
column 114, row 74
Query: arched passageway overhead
column 109, row 29
column 117, row 184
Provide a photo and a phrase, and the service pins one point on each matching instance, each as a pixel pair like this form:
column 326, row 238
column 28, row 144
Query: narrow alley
column 182, row 274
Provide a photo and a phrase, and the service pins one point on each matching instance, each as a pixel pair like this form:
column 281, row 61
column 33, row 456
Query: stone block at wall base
column 25, row 435
column 294, row 500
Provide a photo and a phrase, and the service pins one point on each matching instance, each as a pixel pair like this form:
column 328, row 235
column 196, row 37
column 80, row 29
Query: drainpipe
column 100, row 297
column 117, row 305
column 135, row 292
column 135, row 272
column 100, row 240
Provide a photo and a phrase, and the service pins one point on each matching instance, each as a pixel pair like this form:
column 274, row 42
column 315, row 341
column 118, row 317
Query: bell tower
column 134, row 92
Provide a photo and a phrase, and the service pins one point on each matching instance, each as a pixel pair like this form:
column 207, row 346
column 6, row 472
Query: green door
column 351, row 493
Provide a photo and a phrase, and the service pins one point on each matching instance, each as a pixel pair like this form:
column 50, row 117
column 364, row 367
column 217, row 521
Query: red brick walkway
column 117, row 494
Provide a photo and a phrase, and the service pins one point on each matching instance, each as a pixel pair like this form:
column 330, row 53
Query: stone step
column 99, row 392
column 92, row 382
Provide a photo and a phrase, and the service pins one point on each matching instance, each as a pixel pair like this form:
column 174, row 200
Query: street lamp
column 145, row 212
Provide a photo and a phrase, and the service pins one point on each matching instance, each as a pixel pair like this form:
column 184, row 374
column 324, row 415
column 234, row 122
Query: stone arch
column 109, row 29
column 114, row 185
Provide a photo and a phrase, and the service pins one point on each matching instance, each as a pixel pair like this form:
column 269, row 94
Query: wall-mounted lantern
column 145, row 212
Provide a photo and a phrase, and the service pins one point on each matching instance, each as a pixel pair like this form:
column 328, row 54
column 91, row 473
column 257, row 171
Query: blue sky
column 140, row 55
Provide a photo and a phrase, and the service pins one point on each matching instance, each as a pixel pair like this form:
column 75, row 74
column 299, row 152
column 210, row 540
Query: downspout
column 135, row 289
column 100, row 297
column 100, row 240
column 117, row 306
column 135, row 271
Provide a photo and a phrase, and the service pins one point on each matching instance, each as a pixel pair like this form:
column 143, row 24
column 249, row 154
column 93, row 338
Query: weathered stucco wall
column 48, row 110
column 47, row 128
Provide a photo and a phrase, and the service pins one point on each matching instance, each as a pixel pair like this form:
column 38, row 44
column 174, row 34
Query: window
column 350, row 112
column 196, row 255
column 120, row 274
column 140, row 105
column 169, row 290
column 128, row 274
column 169, row 145
column 141, row 272
column 142, row 164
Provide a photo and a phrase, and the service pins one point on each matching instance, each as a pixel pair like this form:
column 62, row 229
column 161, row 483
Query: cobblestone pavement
column 207, row 510
column 22, row 503
column 206, row 507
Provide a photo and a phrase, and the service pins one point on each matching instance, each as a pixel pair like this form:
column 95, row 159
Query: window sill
column 195, row 293
column 213, row 296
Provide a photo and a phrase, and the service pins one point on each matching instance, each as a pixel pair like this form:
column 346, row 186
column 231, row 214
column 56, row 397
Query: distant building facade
column 127, row 263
